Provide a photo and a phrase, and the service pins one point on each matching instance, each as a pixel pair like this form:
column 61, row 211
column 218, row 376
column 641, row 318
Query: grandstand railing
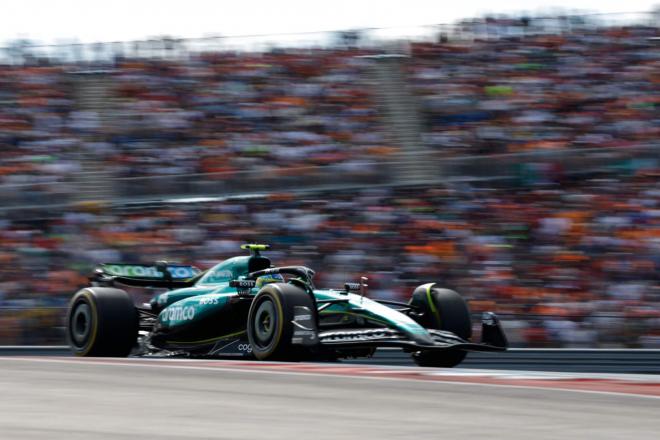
column 295, row 179
column 246, row 181
column 572, row 162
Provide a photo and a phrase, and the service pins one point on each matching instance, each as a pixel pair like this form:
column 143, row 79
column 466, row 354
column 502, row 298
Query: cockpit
column 234, row 268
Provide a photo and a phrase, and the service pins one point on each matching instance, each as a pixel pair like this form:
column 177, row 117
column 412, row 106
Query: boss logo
column 243, row 284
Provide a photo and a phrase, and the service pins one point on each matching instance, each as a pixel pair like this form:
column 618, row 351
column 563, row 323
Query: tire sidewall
column 285, row 297
column 114, row 322
column 444, row 309
column 80, row 298
column 274, row 297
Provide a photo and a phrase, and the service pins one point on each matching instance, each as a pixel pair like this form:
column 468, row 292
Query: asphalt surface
column 43, row 399
column 623, row 361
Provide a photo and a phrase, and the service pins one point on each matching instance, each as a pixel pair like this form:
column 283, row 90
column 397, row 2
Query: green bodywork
column 180, row 307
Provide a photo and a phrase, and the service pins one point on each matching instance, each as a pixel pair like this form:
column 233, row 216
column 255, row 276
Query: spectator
column 575, row 265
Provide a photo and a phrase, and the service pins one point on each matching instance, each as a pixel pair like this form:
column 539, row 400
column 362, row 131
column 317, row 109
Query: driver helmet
column 267, row 279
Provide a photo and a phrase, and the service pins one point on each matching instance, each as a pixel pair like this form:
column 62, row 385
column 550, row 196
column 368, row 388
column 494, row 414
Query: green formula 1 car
column 245, row 307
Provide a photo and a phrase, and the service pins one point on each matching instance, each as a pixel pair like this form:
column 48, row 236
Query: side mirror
column 351, row 287
column 363, row 285
column 357, row 287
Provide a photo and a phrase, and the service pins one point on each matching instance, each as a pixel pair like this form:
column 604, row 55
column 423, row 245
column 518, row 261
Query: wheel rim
column 264, row 323
column 81, row 323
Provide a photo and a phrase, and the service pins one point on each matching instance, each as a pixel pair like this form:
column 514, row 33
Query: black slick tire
column 102, row 321
column 443, row 309
column 270, row 327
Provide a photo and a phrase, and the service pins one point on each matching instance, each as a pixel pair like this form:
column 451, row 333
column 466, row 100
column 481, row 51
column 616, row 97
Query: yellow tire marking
column 280, row 324
column 95, row 321
column 280, row 320
column 434, row 309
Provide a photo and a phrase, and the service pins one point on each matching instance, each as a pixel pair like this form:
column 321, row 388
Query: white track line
column 176, row 365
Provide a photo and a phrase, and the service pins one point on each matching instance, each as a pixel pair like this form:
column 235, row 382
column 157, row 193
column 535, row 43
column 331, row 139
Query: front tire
column 270, row 325
column 442, row 309
column 102, row 322
column 439, row 359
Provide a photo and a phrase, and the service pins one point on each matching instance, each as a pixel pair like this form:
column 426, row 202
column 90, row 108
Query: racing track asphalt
column 44, row 398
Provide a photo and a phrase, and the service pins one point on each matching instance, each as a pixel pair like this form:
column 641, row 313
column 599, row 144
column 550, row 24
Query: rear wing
column 160, row 274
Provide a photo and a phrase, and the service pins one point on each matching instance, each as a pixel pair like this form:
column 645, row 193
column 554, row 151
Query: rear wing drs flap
column 160, row 274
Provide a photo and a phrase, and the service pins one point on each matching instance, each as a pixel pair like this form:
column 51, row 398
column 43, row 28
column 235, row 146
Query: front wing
column 492, row 338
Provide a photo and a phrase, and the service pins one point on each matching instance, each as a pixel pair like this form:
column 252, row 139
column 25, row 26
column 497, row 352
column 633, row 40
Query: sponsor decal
column 246, row 348
column 243, row 287
column 208, row 300
column 236, row 348
column 304, row 327
column 138, row 271
column 357, row 337
column 178, row 313
column 219, row 276
column 360, row 335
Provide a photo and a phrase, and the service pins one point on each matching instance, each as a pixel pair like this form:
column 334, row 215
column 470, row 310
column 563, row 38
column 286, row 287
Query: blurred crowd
column 565, row 261
column 265, row 112
column 213, row 113
column 232, row 112
column 38, row 143
column 575, row 264
column 596, row 88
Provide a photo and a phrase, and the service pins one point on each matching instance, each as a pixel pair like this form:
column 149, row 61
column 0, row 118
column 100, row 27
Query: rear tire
column 443, row 309
column 102, row 321
column 270, row 327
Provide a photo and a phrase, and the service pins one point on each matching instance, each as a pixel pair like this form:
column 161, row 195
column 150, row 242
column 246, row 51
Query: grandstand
column 515, row 159
column 210, row 121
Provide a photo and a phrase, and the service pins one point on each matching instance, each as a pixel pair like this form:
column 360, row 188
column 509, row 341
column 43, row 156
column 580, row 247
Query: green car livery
column 244, row 307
